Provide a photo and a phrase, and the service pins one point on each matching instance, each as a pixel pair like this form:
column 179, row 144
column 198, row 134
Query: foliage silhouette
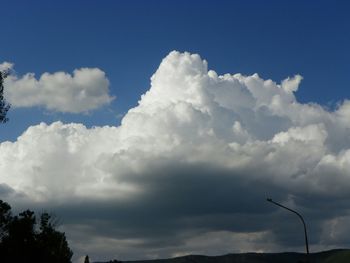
column 22, row 239
column 4, row 106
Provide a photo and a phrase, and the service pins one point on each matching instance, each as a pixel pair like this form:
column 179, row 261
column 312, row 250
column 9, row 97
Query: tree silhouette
column 53, row 243
column 22, row 240
column 4, row 106
column 5, row 218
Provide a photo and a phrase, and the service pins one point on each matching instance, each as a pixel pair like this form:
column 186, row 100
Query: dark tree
column 52, row 242
column 21, row 237
column 23, row 240
column 86, row 260
column 5, row 219
column 4, row 106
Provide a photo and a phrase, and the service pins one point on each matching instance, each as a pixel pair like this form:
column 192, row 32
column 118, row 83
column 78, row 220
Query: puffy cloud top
column 87, row 89
column 182, row 160
column 6, row 66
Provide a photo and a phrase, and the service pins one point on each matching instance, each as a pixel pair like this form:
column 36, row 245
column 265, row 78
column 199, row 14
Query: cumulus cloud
column 6, row 66
column 84, row 90
column 189, row 168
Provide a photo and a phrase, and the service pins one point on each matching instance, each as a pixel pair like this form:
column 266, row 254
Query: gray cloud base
column 189, row 168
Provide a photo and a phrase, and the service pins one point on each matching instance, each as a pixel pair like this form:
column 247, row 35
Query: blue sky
column 166, row 178
column 128, row 39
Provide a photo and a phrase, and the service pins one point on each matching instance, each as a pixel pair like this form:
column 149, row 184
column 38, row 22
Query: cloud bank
column 189, row 168
column 85, row 90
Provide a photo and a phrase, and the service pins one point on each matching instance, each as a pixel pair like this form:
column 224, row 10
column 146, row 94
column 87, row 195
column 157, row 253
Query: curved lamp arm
column 301, row 218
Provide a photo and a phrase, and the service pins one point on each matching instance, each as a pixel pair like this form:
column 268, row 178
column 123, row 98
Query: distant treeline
column 331, row 256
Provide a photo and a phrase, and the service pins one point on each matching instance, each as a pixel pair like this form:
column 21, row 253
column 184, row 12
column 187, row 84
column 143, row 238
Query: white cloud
column 85, row 90
column 6, row 66
column 292, row 84
column 182, row 161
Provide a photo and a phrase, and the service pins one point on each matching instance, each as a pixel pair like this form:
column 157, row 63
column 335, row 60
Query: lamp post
column 302, row 220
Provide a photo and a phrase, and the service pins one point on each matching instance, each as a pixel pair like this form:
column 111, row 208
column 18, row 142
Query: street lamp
column 302, row 220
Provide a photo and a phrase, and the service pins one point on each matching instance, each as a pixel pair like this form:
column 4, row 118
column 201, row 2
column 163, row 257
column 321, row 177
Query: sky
column 158, row 128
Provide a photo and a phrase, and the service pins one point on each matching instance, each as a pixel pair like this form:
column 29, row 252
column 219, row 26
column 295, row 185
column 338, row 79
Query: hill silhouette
column 331, row 256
